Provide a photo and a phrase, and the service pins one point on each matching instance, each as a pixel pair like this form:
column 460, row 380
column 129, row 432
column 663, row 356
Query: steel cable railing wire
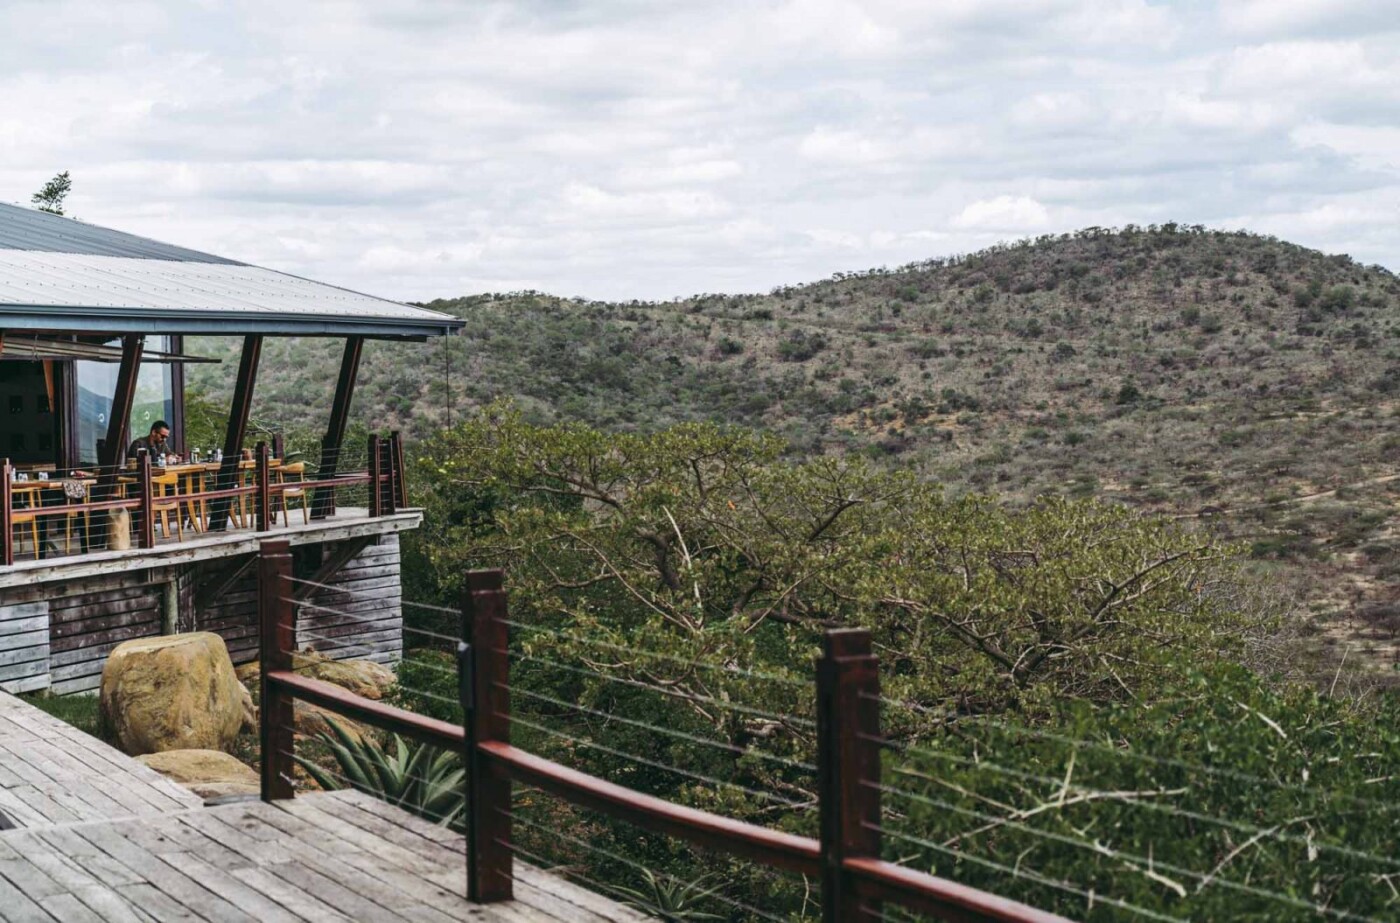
column 1089, row 896
column 1212, row 879
column 1127, row 753
column 553, row 834
column 1136, row 800
column 1149, row 865
column 1258, row 831
column 732, row 749
column 1111, row 807
column 657, row 655
column 652, row 764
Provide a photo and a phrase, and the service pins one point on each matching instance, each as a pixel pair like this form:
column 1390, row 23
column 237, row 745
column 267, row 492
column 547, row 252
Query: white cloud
column 1009, row 214
column 616, row 149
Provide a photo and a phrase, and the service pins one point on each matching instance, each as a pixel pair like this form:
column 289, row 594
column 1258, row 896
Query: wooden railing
column 383, row 474
column 855, row 881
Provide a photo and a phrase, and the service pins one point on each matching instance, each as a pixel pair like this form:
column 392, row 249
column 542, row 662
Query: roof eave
column 205, row 322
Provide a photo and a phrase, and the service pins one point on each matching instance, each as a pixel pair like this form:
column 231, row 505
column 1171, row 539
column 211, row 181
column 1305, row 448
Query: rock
column 310, row 721
column 175, row 692
column 207, row 773
column 362, row 677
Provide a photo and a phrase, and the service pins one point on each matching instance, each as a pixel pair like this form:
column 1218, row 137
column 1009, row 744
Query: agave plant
column 419, row 778
column 670, row 899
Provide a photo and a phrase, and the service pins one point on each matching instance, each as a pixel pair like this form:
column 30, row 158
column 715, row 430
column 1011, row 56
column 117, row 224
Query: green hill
column 1228, row 376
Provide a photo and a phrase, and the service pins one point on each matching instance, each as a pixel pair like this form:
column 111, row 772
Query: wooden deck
column 102, row 837
column 53, row 773
column 330, row 856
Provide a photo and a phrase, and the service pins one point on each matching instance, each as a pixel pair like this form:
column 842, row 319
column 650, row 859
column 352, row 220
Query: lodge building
column 99, row 548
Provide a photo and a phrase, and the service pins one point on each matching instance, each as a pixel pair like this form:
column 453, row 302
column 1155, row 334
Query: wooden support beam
column 341, row 555
column 237, row 429
column 222, row 580
column 323, row 503
column 113, row 449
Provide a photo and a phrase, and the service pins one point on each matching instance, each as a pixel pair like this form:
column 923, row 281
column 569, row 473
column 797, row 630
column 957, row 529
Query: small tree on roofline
column 50, row 197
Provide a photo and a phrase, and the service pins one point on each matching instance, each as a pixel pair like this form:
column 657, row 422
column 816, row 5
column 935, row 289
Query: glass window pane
column 96, row 385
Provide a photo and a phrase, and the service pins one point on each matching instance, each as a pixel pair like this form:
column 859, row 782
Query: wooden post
column 396, row 458
column 324, row 501
column 486, row 704
column 276, row 641
column 848, row 768
column 112, row 450
column 237, row 429
column 146, row 521
column 279, row 447
column 263, row 500
column 390, row 504
column 376, row 490
column 7, row 500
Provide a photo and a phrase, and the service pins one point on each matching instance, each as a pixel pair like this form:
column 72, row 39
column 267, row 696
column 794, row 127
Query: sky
column 433, row 148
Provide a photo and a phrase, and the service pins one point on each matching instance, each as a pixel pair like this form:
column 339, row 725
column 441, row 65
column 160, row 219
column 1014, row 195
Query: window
column 97, row 384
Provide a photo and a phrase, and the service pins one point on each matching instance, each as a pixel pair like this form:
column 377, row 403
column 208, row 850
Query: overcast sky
column 655, row 149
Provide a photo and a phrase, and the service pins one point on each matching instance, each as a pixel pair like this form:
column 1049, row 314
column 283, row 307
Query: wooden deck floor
column 104, row 838
column 53, row 773
column 328, row 856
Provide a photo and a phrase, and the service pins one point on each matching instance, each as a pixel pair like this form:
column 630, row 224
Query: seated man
column 154, row 443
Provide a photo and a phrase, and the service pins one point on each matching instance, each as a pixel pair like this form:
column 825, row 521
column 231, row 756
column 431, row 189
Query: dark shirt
column 151, row 448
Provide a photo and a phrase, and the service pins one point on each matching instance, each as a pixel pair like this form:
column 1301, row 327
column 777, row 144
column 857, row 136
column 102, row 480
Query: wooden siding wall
column 24, row 646
column 363, row 618
column 84, row 629
column 367, row 622
column 54, row 639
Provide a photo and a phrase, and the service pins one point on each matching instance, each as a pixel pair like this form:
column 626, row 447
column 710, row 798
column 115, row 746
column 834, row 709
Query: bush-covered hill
column 1224, row 375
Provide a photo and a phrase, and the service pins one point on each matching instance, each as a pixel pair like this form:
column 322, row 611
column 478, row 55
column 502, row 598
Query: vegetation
column 1069, row 722
column 418, row 778
column 51, row 195
column 1048, row 477
column 1170, row 369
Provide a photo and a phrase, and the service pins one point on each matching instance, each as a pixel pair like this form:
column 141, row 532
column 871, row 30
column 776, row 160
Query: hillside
column 1192, row 372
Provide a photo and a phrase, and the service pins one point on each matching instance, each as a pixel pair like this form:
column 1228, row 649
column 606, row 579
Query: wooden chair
column 294, row 473
column 30, row 518
column 165, row 499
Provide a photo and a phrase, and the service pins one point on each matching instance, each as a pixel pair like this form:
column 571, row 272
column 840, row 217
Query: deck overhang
column 346, row 524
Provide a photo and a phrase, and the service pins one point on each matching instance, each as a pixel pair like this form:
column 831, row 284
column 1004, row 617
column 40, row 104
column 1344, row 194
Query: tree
column 50, row 197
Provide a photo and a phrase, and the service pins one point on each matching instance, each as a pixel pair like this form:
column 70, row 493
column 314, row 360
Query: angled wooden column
column 323, row 504
column 237, row 429
column 114, row 447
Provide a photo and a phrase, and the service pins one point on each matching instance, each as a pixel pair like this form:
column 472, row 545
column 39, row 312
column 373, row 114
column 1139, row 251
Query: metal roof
column 57, row 274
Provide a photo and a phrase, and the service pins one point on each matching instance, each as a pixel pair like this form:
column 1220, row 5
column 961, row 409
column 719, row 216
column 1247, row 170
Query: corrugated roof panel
column 30, row 229
column 74, row 291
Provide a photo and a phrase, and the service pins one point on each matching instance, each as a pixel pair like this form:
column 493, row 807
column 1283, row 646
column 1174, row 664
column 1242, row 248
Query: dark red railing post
column 485, row 691
column 848, row 769
column 145, row 514
column 396, row 459
column 7, row 508
column 391, row 478
column 276, row 641
column 264, row 481
column 376, row 489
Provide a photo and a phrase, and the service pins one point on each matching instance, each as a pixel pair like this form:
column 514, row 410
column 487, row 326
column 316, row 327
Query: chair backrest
column 165, row 485
column 296, row 471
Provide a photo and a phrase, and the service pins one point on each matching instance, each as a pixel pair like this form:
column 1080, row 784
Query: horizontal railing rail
column 855, row 880
column 258, row 499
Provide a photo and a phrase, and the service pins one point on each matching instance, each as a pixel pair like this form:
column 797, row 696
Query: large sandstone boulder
column 175, row 692
column 362, row 677
column 207, row 773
